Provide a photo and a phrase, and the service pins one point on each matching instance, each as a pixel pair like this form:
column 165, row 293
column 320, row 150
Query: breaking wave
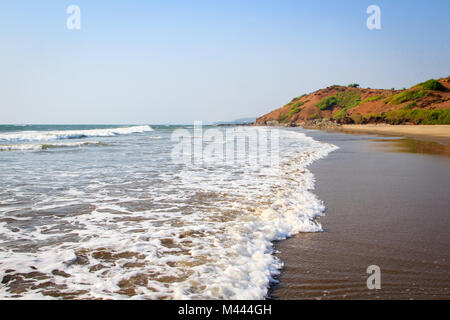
column 46, row 146
column 33, row 136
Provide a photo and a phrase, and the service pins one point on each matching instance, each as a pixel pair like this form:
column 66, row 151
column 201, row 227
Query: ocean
column 120, row 212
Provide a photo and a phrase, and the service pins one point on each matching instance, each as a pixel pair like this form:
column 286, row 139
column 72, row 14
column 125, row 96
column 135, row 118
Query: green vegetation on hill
column 411, row 105
column 298, row 98
column 415, row 116
column 295, row 108
column 419, row 91
column 405, row 96
column 283, row 117
column 431, row 85
column 327, row 103
column 297, row 105
column 374, row 98
column 346, row 100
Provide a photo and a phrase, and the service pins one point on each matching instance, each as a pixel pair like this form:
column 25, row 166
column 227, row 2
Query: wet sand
column 438, row 133
column 388, row 205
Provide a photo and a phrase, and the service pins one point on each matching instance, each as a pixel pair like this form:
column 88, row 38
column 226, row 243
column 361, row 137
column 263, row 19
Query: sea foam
column 32, row 136
column 48, row 145
column 144, row 228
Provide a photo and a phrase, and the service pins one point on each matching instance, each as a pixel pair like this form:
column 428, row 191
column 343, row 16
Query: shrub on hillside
column 298, row 98
column 327, row 103
column 405, row 96
column 347, row 101
column 374, row 98
column 431, row 85
column 401, row 116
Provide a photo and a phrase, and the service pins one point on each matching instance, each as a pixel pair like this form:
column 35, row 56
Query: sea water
column 104, row 212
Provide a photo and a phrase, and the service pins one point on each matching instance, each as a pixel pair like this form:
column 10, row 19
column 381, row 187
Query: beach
column 110, row 212
column 225, row 154
column 387, row 205
column 438, row 133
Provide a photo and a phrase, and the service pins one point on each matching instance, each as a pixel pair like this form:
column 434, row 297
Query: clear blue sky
column 179, row 61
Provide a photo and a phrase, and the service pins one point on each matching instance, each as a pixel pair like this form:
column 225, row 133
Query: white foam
column 208, row 234
column 29, row 136
column 45, row 146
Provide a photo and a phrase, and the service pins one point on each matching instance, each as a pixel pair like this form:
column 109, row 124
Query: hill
column 425, row 103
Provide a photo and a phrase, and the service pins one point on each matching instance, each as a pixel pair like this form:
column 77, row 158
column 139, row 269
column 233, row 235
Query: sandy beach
column 387, row 206
column 438, row 133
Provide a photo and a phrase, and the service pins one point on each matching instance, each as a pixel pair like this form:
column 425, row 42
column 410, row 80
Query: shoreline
column 435, row 133
column 385, row 208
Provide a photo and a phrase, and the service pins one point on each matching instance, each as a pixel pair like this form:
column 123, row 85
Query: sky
column 162, row 62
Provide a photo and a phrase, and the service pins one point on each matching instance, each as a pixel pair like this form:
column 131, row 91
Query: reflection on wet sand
column 387, row 205
column 409, row 145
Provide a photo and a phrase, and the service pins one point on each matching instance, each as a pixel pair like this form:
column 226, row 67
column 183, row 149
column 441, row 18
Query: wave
column 30, row 136
column 213, row 238
column 245, row 265
column 45, row 146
